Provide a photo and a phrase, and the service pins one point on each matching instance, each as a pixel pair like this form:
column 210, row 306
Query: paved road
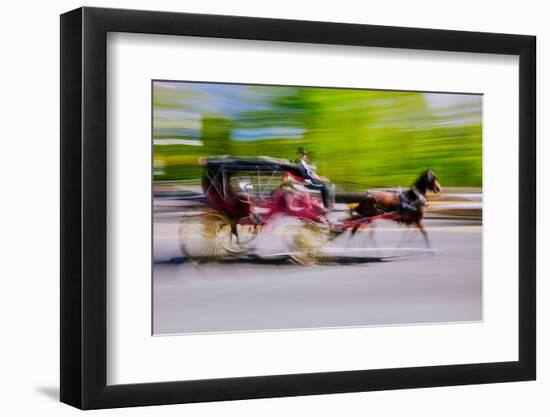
column 423, row 287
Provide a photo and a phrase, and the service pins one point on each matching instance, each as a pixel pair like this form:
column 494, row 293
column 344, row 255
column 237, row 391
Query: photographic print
column 288, row 207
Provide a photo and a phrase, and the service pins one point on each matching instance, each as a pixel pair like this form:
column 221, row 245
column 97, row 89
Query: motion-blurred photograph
column 291, row 207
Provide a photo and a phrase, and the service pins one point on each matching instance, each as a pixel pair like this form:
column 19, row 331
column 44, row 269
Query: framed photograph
column 259, row 208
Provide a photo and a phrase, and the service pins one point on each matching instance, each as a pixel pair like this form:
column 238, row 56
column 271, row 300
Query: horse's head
column 428, row 182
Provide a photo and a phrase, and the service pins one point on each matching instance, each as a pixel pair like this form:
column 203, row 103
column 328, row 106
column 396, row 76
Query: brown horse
column 406, row 206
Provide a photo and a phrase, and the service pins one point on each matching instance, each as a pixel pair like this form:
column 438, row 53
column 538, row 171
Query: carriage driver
column 314, row 181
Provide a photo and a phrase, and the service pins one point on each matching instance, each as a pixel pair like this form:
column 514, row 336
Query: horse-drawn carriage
column 243, row 197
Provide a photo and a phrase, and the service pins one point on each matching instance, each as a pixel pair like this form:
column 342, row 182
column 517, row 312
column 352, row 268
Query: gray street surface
column 378, row 286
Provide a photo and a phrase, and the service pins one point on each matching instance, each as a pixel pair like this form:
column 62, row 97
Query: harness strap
column 420, row 196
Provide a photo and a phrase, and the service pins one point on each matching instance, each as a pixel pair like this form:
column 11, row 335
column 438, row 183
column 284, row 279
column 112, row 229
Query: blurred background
column 358, row 138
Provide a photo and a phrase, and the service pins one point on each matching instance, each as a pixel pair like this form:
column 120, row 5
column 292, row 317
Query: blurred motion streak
column 358, row 138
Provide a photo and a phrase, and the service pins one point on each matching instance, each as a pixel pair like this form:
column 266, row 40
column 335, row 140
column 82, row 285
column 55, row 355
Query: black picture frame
column 84, row 207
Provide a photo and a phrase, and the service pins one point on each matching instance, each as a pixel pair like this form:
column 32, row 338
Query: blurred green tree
column 366, row 137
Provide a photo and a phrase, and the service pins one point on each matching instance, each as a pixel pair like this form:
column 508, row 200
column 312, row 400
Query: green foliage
column 371, row 138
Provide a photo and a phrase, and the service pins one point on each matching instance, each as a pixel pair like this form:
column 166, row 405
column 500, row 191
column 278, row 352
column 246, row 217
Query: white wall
column 29, row 210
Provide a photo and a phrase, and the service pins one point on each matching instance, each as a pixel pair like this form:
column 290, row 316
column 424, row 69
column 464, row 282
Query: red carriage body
column 276, row 196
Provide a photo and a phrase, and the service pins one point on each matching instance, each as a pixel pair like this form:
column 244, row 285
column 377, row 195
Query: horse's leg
column 420, row 226
column 350, row 236
column 372, row 229
column 352, row 233
column 405, row 238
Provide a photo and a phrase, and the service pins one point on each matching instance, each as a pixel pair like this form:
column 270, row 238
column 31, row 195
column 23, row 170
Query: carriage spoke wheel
column 306, row 242
column 203, row 237
column 240, row 243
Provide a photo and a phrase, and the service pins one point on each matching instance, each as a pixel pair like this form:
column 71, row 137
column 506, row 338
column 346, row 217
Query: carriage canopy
column 262, row 164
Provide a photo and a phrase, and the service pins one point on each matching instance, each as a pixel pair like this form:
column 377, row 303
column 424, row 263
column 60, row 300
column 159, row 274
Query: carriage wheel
column 306, row 242
column 203, row 237
column 246, row 234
